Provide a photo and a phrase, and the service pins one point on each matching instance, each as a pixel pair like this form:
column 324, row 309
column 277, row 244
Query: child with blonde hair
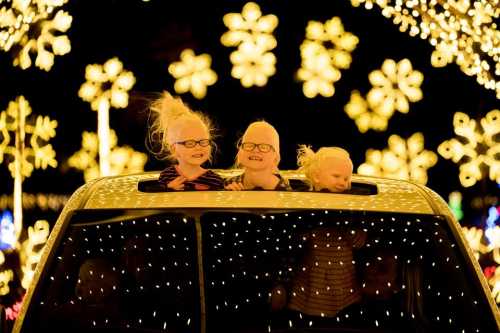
column 185, row 137
column 259, row 156
column 328, row 169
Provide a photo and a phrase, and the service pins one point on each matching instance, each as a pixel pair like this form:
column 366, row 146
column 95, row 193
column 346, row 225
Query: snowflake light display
column 326, row 49
column 107, row 85
column 394, row 86
column 480, row 150
column 123, row 159
column 193, row 73
column 405, row 159
column 38, row 154
column 31, row 27
column 463, row 31
column 251, row 32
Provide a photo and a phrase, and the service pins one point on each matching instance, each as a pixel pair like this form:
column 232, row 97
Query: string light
column 31, row 250
column 30, row 201
column 251, row 32
column 193, row 73
column 404, row 159
column 480, row 149
column 462, row 31
column 325, row 51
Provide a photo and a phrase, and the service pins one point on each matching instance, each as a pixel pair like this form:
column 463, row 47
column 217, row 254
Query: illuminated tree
column 107, row 85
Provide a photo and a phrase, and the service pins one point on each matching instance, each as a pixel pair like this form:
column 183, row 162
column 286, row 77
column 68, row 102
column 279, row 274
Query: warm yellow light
column 123, row 160
column 357, row 109
column 31, row 250
column 462, row 31
column 251, row 32
column 321, row 64
column 6, row 275
column 481, row 148
column 394, row 86
column 36, row 33
column 193, row 73
column 404, row 159
column 101, row 99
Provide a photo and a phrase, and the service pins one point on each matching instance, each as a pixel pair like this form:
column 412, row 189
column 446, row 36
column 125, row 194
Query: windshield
column 145, row 271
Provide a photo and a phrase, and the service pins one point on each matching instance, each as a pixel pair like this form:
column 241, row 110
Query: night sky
column 148, row 36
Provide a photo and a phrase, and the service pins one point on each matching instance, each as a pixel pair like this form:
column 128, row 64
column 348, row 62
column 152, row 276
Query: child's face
column 263, row 156
column 192, row 132
column 334, row 174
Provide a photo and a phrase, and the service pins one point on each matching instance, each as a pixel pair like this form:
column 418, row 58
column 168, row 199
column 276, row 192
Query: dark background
column 148, row 36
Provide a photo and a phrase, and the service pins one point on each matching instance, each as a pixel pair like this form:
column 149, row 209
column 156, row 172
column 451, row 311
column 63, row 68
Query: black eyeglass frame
column 262, row 147
column 193, row 143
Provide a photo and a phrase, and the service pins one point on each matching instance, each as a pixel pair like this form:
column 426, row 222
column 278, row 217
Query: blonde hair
column 309, row 162
column 274, row 134
column 167, row 116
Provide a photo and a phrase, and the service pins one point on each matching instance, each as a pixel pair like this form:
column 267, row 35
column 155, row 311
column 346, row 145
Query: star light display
column 251, row 32
column 123, row 160
column 106, row 86
column 34, row 27
column 480, row 150
column 172, row 271
column 326, row 49
column 394, row 86
column 193, row 73
column 37, row 154
column 462, row 31
column 404, row 159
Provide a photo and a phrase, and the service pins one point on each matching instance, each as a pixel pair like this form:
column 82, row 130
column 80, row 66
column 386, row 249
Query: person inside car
column 184, row 137
column 259, row 156
column 329, row 169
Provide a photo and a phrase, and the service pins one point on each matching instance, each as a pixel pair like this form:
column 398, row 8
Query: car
column 385, row 256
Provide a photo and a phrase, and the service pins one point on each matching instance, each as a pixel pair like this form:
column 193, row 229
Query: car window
column 114, row 273
column 339, row 271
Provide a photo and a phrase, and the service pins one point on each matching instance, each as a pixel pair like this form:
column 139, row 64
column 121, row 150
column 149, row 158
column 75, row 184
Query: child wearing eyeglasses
column 259, row 156
column 185, row 137
column 329, row 169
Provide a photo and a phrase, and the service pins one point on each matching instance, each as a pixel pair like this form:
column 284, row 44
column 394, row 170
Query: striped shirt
column 209, row 180
column 282, row 185
column 326, row 281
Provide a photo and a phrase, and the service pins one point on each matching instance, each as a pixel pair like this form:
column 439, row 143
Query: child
column 329, row 169
column 258, row 155
column 184, row 137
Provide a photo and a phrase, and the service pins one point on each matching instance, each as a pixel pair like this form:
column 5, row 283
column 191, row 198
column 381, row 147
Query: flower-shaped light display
column 404, row 159
column 251, row 32
column 193, row 73
column 35, row 27
column 326, row 49
column 107, row 85
column 481, row 148
column 123, row 160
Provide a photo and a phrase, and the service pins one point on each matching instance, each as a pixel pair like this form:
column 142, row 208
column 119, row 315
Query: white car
column 387, row 256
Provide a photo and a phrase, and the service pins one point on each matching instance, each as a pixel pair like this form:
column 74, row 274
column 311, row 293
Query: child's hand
column 177, row 184
column 234, row 187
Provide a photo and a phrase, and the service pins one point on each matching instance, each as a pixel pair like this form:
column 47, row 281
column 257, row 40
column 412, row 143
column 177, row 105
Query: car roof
column 123, row 192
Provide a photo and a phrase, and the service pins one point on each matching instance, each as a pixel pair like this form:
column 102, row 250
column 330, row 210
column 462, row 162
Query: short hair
column 309, row 161
column 275, row 137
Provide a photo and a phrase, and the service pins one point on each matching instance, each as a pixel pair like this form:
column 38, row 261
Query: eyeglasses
column 262, row 147
column 193, row 143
